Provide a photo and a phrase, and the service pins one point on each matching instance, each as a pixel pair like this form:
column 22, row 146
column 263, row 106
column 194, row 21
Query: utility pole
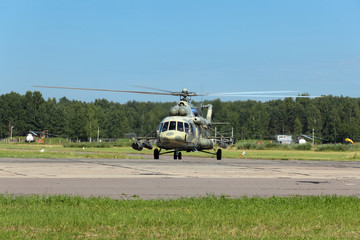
column 98, row 133
column 11, row 132
column 313, row 138
column 232, row 135
column 90, row 130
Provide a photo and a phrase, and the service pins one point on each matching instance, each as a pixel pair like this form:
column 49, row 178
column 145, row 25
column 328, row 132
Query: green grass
column 294, row 155
column 268, row 145
column 118, row 143
column 64, row 217
column 59, row 151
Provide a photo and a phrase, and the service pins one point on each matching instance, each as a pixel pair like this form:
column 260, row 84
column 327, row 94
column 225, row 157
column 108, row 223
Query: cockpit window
column 165, row 127
column 180, row 126
column 159, row 128
column 186, row 127
column 172, row 125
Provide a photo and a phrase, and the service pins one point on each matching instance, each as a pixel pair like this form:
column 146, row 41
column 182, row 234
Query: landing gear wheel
column 218, row 154
column 175, row 155
column 156, row 153
column 179, row 155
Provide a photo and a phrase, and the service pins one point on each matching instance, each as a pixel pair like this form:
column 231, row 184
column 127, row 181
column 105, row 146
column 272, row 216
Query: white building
column 284, row 139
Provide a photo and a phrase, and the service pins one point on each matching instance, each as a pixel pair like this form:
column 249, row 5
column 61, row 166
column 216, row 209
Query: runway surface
column 168, row 178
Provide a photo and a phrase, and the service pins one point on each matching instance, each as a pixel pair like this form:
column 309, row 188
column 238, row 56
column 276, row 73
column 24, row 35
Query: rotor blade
column 105, row 90
column 171, row 92
column 269, row 96
column 251, row 93
column 157, row 89
column 233, row 94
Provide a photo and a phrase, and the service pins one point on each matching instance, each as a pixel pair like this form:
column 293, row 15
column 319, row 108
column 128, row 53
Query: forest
column 333, row 118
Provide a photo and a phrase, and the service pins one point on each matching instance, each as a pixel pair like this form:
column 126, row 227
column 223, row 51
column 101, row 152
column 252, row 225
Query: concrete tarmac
column 168, row 178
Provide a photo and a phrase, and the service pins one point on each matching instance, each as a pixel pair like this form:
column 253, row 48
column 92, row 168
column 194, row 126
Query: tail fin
column 209, row 112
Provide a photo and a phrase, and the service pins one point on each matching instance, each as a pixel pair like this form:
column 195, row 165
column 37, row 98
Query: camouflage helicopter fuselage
column 184, row 129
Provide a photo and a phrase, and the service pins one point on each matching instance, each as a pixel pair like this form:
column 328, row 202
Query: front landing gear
column 177, row 155
column 156, row 153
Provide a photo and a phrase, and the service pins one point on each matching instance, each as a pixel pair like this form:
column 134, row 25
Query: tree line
column 333, row 118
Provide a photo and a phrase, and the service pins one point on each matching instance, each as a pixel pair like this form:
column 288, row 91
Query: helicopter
column 184, row 129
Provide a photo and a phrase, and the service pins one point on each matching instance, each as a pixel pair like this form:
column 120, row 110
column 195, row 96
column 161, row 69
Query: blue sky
column 205, row 46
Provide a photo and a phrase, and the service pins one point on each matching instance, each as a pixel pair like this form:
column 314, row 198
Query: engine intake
column 137, row 146
column 223, row 145
column 147, row 145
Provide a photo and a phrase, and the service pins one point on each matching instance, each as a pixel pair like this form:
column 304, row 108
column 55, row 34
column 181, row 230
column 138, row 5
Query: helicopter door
column 187, row 128
column 189, row 131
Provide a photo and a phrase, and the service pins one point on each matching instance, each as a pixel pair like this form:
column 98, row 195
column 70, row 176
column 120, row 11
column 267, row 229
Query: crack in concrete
column 15, row 173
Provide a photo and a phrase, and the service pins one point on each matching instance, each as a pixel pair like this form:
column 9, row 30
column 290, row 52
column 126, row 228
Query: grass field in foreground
column 64, row 217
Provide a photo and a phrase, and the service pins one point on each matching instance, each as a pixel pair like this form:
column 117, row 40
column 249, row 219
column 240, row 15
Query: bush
column 305, row 147
column 331, row 147
column 245, row 145
column 123, row 143
column 274, row 146
column 118, row 143
column 55, row 140
column 88, row 145
column 352, row 147
column 338, row 147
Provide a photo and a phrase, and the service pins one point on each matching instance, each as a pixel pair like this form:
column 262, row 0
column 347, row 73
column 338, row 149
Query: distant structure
column 284, row 139
column 300, row 140
column 30, row 137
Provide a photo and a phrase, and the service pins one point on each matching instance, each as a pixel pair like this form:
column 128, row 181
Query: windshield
column 174, row 125
column 180, row 126
column 187, row 127
column 165, row 127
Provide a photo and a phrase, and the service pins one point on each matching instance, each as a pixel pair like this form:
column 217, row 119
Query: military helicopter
column 184, row 129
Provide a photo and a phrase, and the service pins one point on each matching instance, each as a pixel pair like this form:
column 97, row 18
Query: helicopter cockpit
column 179, row 126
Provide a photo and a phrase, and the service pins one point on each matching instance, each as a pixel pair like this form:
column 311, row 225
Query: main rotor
column 185, row 95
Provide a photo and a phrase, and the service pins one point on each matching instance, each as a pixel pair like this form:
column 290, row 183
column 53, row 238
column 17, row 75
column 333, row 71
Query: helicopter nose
column 173, row 137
